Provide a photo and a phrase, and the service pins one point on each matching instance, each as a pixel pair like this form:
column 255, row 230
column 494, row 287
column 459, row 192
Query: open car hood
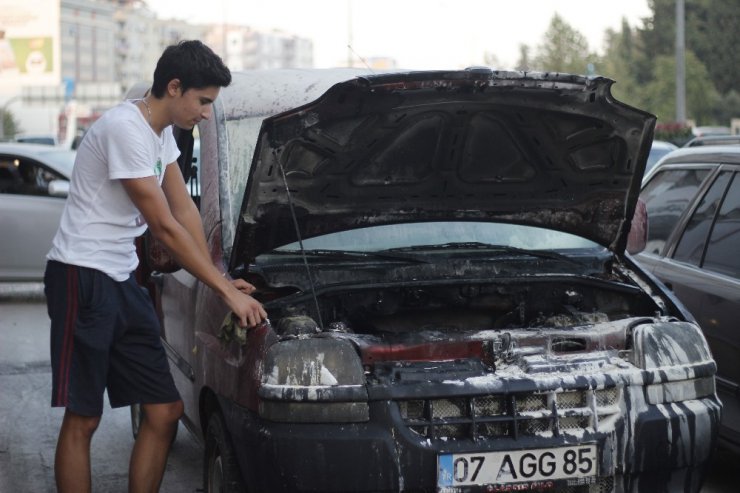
column 549, row 150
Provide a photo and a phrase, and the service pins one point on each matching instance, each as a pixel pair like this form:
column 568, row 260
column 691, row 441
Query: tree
column 524, row 63
column 491, row 60
column 563, row 49
column 714, row 37
column 10, row 126
column 618, row 63
column 711, row 32
column 702, row 97
column 727, row 108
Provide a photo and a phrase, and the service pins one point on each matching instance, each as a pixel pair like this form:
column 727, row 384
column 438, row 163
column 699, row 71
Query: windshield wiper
column 476, row 245
column 382, row 254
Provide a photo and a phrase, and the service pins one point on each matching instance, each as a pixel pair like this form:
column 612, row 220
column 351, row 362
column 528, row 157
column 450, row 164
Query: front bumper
column 645, row 448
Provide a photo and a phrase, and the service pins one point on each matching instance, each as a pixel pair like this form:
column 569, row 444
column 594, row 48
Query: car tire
column 220, row 469
column 137, row 414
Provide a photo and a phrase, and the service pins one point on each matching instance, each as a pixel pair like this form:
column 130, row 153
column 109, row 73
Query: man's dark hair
column 194, row 64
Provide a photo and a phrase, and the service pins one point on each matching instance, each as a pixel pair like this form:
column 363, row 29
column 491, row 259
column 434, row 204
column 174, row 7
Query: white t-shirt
column 100, row 222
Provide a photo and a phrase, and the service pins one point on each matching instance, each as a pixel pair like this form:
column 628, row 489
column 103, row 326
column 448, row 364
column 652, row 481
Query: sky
column 418, row 34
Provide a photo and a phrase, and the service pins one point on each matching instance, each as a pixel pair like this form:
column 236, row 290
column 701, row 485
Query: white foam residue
column 327, row 378
column 272, row 378
column 313, row 393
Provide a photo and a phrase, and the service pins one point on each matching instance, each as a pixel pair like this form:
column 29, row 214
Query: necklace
column 149, row 117
column 148, row 111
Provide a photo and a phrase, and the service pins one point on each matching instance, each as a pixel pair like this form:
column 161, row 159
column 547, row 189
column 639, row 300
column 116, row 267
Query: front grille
column 511, row 415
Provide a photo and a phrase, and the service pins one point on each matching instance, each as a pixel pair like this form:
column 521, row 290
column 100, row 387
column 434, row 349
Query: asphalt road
column 28, row 425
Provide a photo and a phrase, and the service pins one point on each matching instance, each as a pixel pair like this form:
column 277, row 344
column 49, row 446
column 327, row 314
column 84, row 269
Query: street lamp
column 680, row 63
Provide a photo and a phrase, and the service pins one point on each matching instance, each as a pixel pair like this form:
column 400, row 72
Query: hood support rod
column 300, row 242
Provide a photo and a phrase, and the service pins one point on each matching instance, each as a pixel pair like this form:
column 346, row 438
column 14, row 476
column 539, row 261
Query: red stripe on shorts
column 69, row 329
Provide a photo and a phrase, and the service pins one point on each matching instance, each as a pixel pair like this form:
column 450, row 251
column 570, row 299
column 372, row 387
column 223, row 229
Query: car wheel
column 137, row 414
column 220, row 472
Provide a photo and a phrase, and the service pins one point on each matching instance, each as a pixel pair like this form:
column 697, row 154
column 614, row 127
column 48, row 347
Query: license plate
column 530, row 466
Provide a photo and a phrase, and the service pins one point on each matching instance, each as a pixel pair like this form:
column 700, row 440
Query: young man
column 104, row 331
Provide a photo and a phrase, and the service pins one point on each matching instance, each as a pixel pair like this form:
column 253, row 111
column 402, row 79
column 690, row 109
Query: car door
column 668, row 196
column 703, row 269
column 29, row 215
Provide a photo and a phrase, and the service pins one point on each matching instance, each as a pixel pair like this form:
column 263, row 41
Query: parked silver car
column 34, row 180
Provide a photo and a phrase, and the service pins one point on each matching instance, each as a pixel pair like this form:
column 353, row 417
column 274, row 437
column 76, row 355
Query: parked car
column 693, row 202
column 705, row 131
column 33, row 186
column 44, row 139
column 442, row 258
column 713, row 140
column 658, row 149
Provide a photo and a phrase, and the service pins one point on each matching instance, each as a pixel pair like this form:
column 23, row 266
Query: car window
column 376, row 238
column 62, row 160
column 666, row 196
column 657, row 151
column 691, row 246
column 9, row 175
column 22, row 176
column 722, row 252
column 242, row 138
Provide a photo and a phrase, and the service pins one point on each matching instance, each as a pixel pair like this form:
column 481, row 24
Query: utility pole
column 680, row 63
column 349, row 33
column 224, row 38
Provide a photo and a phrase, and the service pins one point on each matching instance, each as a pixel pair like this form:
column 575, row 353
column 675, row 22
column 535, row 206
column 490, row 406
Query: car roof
column 713, row 140
column 47, row 154
column 664, row 144
column 264, row 93
column 709, row 154
column 727, row 154
column 29, row 149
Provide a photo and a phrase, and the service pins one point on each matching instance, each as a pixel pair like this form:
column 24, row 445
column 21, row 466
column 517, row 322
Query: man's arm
column 189, row 251
column 182, row 206
column 186, row 213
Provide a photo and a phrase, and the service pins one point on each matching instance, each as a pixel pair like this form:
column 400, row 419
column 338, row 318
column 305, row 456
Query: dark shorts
column 104, row 335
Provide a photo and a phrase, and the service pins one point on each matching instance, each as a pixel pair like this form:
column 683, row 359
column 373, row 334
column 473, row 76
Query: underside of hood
column 549, row 150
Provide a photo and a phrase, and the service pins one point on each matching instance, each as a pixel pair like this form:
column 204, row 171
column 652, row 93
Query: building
column 141, row 37
column 244, row 48
column 95, row 50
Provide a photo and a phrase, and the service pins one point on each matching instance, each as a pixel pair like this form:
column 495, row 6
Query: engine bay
column 451, row 307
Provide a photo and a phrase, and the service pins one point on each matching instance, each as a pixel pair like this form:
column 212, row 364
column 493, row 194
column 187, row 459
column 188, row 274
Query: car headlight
column 313, row 380
column 678, row 361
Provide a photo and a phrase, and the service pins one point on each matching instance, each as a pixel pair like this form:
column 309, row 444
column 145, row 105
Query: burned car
column 442, row 256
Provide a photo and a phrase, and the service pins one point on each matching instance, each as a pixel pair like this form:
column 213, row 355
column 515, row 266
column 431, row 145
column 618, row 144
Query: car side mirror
column 637, row 238
column 58, row 188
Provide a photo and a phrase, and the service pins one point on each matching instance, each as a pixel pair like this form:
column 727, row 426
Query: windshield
column 378, row 238
column 61, row 160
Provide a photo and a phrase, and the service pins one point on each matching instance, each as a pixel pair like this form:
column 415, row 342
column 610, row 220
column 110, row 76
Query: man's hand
column 243, row 286
column 254, row 313
column 247, row 310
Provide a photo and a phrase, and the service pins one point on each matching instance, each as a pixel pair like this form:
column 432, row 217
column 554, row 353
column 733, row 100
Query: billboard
column 29, row 43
